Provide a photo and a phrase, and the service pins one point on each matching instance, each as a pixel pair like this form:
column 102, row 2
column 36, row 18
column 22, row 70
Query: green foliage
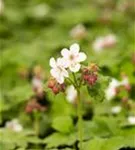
column 58, row 139
column 114, row 143
column 63, row 124
column 97, row 92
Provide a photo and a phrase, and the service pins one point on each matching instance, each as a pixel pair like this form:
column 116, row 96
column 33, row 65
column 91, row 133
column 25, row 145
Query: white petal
column 74, row 48
column 59, row 62
column 110, row 91
column 131, row 119
column 60, row 79
column 66, row 63
column 98, row 44
column 75, row 68
column 65, row 53
column 82, row 56
column 65, row 73
column 52, row 62
column 18, row 128
column 71, row 93
column 63, row 63
column 54, row 73
column 116, row 109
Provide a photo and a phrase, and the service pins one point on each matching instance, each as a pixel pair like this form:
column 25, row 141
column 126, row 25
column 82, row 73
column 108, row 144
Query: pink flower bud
column 55, row 90
column 89, row 74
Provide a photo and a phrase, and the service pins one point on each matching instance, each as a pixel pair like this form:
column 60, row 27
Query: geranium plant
column 69, row 70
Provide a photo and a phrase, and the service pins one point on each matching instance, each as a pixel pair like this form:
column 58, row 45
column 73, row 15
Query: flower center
column 60, row 68
column 71, row 57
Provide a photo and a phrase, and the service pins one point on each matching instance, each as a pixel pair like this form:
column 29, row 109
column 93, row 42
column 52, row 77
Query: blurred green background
column 32, row 31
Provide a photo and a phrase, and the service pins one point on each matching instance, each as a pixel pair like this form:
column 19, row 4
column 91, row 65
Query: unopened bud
column 90, row 76
column 93, row 67
column 55, row 86
column 92, row 79
column 51, row 83
column 55, row 90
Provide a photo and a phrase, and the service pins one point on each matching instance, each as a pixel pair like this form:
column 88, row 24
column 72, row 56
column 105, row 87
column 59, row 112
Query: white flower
column 78, row 32
column 37, row 83
column 131, row 120
column 98, row 44
column 111, row 90
column 71, row 93
column 14, row 125
column 39, row 11
column 58, row 70
column 104, row 42
column 110, row 40
column 73, row 57
column 116, row 109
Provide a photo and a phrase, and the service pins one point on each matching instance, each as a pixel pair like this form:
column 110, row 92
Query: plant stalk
column 80, row 133
column 36, row 122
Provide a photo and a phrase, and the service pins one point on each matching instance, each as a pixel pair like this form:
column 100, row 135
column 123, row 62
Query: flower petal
column 71, row 93
column 75, row 67
column 65, row 52
column 54, row 73
column 60, row 79
column 82, row 56
column 65, row 73
column 52, row 62
column 74, row 48
column 62, row 62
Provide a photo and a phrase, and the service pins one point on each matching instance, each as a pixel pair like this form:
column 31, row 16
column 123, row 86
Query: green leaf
column 114, row 143
column 57, row 139
column 63, row 124
column 107, row 124
column 94, row 144
column 6, row 146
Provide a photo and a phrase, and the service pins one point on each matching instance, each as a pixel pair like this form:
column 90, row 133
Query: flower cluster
column 90, row 75
column 78, row 32
column 104, row 42
column 116, row 87
column 70, row 61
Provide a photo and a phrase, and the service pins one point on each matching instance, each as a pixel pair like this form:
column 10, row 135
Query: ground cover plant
column 67, row 75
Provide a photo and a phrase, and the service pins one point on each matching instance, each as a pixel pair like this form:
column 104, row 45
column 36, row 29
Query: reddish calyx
column 90, row 75
column 55, row 86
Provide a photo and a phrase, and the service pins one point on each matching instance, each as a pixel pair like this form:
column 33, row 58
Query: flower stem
column 80, row 120
column 36, row 122
column 75, row 80
column 72, row 82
